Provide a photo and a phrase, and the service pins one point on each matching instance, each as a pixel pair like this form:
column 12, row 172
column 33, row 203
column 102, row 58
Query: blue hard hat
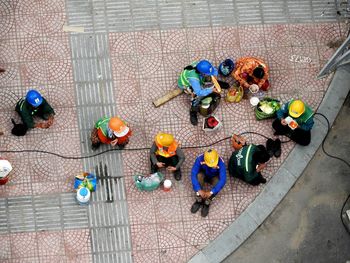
column 205, row 67
column 34, row 98
column 226, row 67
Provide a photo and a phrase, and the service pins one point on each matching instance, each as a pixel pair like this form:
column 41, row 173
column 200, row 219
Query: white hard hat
column 5, row 168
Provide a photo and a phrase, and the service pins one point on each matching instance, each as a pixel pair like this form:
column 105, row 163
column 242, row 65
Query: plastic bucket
column 83, row 196
column 167, row 185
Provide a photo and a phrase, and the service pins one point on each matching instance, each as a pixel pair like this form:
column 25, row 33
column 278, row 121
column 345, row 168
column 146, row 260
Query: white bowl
column 254, row 101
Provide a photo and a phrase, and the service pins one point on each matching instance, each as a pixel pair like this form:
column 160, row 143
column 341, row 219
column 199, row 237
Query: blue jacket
column 200, row 166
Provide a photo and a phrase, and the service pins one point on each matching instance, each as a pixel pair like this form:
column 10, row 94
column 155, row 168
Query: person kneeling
column 165, row 152
column 210, row 168
column 111, row 131
column 295, row 120
column 248, row 162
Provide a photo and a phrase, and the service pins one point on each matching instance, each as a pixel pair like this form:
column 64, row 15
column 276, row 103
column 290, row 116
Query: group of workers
column 196, row 79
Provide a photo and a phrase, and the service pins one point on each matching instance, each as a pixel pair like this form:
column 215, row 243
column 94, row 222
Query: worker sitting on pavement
column 250, row 70
column 165, row 152
column 210, row 168
column 248, row 162
column 111, row 131
column 33, row 104
column 196, row 80
column 295, row 120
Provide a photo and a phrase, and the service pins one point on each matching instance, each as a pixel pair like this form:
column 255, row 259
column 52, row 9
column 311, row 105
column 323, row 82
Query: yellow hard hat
column 164, row 139
column 296, row 108
column 118, row 127
column 211, row 158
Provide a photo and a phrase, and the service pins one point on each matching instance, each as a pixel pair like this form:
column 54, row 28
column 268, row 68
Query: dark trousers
column 170, row 161
column 195, row 107
column 298, row 135
column 256, row 181
column 204, row 179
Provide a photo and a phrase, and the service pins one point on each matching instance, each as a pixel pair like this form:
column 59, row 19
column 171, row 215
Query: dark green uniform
column 242, row 164
column 27, row 111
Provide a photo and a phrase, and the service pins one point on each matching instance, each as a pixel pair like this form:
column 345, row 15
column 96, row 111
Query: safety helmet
column 211, row 158
column 34, row 98
column 226, row 67
column 5, row 168
column 164, row 139
column 296, row 108
column 118, row 127
column 205, row 67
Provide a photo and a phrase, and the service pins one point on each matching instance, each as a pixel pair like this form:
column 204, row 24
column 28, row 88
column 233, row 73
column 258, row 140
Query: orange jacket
column 171, row 151
column 121, row 140
column 245, row 67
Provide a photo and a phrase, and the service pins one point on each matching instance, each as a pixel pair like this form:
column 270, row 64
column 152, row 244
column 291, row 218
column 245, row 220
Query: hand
column 207, row 194
column 50, row 121
column 160, row 164
column 41, row 125
column 260, row 167
column 202, row 193
column 114, row 142
column 283, row 122
column 171, row 168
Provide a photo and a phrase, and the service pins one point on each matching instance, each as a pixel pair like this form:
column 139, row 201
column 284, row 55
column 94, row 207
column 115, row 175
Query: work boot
column 195, row 207
column 193, row 118
column 263, row 180
column 270, row 146
column 277, row 148
column 95, row 146
column 205, row 210
column 177, row 175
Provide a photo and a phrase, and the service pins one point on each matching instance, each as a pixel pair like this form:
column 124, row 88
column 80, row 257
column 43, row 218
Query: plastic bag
column 148, row 183
column 234, row 94
column 87, row 180
column 267, row 108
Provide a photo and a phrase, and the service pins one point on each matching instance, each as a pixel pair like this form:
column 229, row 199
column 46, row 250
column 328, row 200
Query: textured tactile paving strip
column 39, row 213
column 108, row 213
column 119, row 16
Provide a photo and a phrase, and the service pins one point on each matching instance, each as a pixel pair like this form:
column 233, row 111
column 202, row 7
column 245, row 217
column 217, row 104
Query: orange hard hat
column 118, row 127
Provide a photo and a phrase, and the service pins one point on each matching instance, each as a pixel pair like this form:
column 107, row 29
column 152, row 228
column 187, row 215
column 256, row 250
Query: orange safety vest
column 166, row 153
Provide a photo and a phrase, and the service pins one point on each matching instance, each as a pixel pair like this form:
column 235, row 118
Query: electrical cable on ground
column 126, row 149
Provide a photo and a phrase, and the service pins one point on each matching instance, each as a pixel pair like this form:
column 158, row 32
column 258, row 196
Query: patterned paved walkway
column 130, row 53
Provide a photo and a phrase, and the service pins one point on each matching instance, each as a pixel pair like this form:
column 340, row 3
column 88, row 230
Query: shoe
column 205, row 210
column 177, row 175
column 263, row 181
column 277, row 148
column 195, row 207
column 194, row 118
column 95, row 146
column 270, row 147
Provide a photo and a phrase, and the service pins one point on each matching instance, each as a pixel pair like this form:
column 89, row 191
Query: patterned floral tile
column 197, row 233
column 172, row 254
column 302, row 35
column 50, row 243
column 144, row 236
column 148, row 42
column 174, row 41
column 199, row 39
column 142, row 211
column 276, row 35
column 146, row 256
column 168, row 210
column 24, row 245
column 251, row 36
column 5, row 253
column 170, row 235
column 327, row 33
column 77, row 242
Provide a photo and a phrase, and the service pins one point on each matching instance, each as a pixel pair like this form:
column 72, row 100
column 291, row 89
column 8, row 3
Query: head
column 34, row 98
column 259, row 72
column 204, row 67
column 118, row 127
column 296, row 108
column 165, row 139
column 211, row 158
column 261, row 155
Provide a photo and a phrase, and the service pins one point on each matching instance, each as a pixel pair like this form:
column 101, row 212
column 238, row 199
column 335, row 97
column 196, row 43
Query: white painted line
column 78, row 29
